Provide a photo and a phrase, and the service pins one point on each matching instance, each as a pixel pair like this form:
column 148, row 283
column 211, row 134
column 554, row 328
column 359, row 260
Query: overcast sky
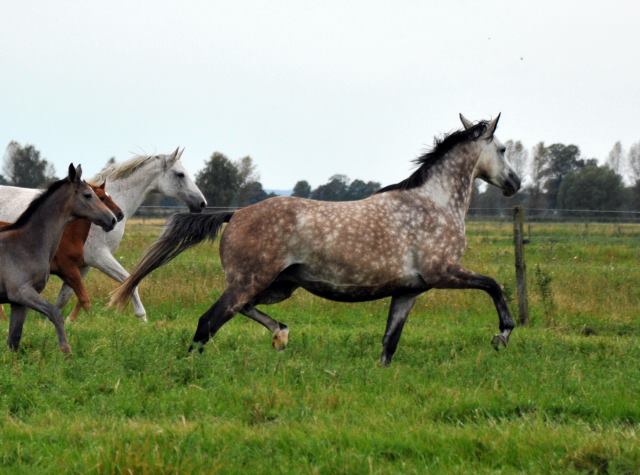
column 310, row 89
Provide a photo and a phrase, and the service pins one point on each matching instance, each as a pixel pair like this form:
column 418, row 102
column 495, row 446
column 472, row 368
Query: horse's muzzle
column 108, row 225
column 511, row 184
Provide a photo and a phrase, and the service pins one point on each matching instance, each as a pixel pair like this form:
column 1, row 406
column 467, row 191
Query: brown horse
column 400, row 242
column 69, row 258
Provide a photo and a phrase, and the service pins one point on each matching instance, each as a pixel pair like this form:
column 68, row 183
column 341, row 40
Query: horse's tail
column 182, row 231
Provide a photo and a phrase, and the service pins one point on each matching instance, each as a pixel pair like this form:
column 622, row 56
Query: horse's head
column 85, row 203
column 493, row 167
column 175, row 181
column 105, row 197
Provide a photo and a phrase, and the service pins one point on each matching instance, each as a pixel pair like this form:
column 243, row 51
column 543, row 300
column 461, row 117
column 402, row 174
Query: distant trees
column 302, row 189
column 339, row 188
column 592, row 187
column 23, row 166
column 230, row 183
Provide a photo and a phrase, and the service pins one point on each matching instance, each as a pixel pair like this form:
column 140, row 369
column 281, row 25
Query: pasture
column 564, row 397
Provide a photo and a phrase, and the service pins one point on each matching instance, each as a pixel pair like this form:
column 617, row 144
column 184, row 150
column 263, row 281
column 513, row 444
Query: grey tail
column 182, row 231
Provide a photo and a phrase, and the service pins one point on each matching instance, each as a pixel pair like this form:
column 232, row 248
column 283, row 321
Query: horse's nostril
column 113, row 221
column 203, row 204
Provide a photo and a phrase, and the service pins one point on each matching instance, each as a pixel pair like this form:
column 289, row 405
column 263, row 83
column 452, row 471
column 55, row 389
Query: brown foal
column 69, row 257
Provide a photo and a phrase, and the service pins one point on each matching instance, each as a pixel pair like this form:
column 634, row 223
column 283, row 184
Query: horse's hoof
column 280, row 339
column 66, row 349
column 385, row 361
column 499, row 340
column 143, row 318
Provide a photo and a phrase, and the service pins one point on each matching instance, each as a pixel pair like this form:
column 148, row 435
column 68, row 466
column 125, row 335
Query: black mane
column 35, row 204
column 430, row 158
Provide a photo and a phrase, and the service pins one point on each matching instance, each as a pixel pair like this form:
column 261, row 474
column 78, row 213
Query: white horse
column 128, row 184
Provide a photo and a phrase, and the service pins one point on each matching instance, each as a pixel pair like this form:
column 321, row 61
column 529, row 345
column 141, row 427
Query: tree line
column 555, row 176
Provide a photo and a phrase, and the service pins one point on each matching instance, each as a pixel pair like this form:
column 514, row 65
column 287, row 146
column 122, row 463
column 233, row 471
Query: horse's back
column 14, row 200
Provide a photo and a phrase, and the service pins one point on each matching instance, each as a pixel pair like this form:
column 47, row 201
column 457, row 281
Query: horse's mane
column 429, row 159
column 35, row 204
column 124, row 169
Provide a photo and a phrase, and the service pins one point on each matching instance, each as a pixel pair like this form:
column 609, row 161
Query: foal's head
column 493, row 167
column 105, row 197
column 85, row 204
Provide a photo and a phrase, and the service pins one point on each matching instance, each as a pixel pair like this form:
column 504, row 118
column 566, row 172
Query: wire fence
column 475, row 214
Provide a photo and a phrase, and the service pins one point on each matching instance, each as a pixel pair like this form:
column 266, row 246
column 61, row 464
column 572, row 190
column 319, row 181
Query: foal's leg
column 66, row 292
column 73, row 278
column 460, row 278
column 279, row 331
column 3, row 316
column 28, row 297
column 18, row 315
column 398, row 313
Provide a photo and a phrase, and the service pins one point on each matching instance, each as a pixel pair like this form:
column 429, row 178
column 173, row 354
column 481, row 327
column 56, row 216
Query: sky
column 311, row 89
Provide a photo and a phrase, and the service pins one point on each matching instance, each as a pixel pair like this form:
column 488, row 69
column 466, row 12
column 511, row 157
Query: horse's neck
column 129, row 192
column 450, row 182
column 43, row 230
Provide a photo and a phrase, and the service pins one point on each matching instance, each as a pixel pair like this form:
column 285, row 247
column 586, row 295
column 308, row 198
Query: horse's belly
column 355, row 287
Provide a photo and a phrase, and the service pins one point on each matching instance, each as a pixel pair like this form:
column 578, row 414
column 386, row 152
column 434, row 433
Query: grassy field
column 564, row 397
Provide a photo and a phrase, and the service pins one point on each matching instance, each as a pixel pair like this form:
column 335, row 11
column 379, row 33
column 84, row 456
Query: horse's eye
column 180, row 174
column 502, row 149
column 87, row 195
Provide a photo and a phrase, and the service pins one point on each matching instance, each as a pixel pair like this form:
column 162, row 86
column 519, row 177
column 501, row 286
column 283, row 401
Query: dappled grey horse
column 28, row 245
column 400, row 242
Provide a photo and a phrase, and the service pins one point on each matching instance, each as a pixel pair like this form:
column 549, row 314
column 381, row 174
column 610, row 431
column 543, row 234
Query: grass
column 562, row 398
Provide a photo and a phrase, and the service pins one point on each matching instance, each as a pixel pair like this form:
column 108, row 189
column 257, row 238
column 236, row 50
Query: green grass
column 564, row 397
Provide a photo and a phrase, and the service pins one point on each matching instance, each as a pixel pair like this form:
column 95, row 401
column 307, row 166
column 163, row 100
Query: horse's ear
column 491, row 128
column 72, row 173
column 465, row 122
column 78, row 173
column 174, row 155
column 104, row 184
column 180, row 154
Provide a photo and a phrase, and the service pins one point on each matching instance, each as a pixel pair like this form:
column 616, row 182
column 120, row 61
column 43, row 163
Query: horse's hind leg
column 18, row 315
column 398, row 313
column 3, row 316
column 460, row 278
column 276, row 292
column 279, row 331
column 223, row 310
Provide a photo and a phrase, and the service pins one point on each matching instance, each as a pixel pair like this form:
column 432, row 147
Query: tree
column 302, row 189
column 250, row 193
column 358, row 189
column 3, row 181
column 518, row 157
column 219, row 180
column 615, row 158
column 24, row 167
column 557, row 162
column 334, row 190
column 246, row 170
column 633, row 158
column 536, row 197
column 592, row 187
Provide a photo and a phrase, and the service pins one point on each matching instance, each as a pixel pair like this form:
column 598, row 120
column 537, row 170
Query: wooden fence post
column 521, row 267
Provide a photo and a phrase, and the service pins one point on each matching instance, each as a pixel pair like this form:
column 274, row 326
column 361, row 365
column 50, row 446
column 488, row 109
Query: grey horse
column 402, row 241
column 28, row 245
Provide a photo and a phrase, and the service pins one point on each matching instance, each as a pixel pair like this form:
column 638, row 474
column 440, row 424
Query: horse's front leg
column 398, row 313
column 458, row 277
column 29, row 297
column 18, row 315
